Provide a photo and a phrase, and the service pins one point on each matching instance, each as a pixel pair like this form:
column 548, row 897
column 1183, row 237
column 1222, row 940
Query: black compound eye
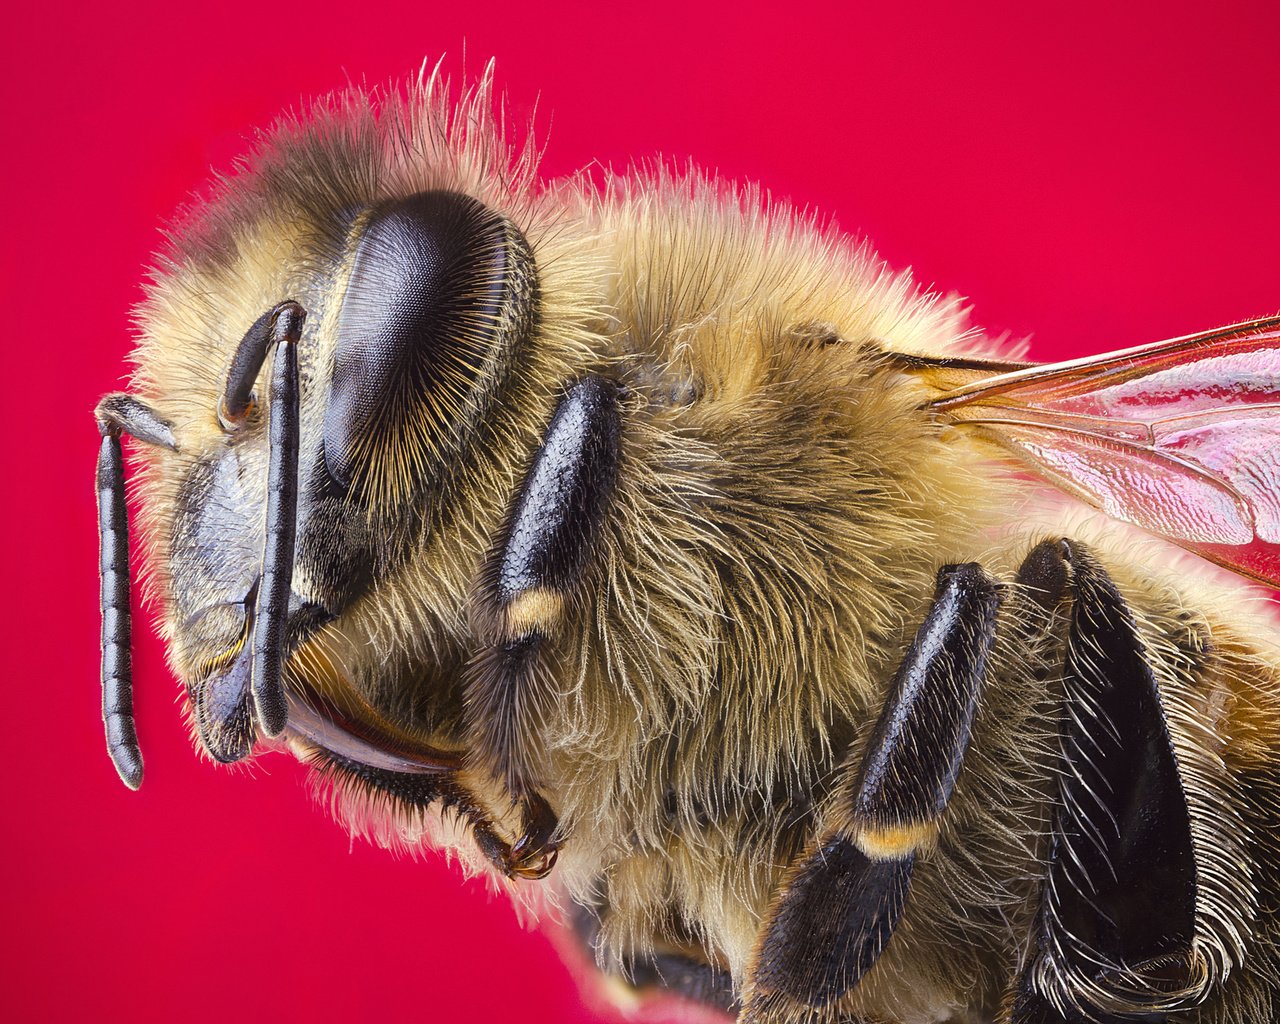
column 438, row 285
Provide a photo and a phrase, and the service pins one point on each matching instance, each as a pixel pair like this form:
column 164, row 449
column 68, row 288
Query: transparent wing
column 1181, row 438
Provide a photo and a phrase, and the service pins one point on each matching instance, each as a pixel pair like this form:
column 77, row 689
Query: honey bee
column 652, row 547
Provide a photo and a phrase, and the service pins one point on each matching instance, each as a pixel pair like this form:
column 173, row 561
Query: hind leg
column 1114, row 934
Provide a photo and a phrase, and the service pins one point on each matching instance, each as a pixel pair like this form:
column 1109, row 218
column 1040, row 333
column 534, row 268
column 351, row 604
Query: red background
column 1097, row 178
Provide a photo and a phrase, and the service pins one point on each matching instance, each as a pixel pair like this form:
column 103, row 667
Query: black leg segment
column 838, row 910
column 547, row 544
column 913, row 760
column 690, row 979
column 675, row 965
column 562, row 503
column 1117, row 917
column 833, row 920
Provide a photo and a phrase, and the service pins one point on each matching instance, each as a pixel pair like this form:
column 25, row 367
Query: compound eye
column 439, row 286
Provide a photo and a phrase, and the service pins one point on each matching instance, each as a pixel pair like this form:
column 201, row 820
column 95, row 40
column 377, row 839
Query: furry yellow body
column 782, row 505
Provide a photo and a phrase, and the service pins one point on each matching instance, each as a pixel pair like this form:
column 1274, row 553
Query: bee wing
column 1181, row 438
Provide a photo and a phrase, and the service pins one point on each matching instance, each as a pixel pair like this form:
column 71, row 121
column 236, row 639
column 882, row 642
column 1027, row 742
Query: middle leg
column 837, row 910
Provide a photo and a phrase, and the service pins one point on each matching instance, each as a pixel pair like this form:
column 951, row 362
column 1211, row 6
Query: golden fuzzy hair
column 781, row 508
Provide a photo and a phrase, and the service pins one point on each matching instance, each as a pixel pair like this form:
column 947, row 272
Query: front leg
column 536, row 572
column 837, row 909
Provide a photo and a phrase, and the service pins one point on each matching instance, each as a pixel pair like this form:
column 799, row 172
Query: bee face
column 425, row 330
column 608, row 519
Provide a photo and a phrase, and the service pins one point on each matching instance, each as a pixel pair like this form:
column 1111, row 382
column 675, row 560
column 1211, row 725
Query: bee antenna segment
column 117, row 414
column 117, row 660
column 270, row 619
column 279, row 322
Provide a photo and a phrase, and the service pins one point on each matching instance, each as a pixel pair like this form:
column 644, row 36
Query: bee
column 657, row 549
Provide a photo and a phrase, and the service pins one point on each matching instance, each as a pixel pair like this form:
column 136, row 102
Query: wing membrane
column 1181, row 438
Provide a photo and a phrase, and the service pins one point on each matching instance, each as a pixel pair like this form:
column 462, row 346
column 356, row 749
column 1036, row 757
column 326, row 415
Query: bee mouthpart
column 224, row 712
column 226, row 717
column 316, row 724
column 415, row 777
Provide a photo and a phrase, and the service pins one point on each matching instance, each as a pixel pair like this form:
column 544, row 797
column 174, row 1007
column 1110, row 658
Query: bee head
column 346, row 354
column 298, row 506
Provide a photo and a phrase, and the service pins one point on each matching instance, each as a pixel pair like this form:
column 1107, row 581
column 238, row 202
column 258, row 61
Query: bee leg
column 546, row 545
column 120, row 414
column 686, row 977
column 1117, row 914
column 668, row 969
column 445, row 790
column 839, row 905
column 1030, row 1007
